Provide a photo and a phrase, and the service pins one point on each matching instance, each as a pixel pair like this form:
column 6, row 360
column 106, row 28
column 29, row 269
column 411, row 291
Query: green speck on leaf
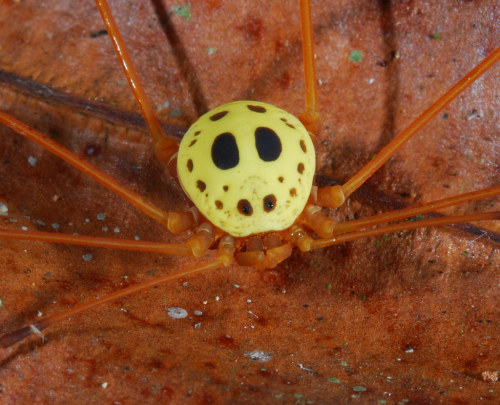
column 328, row 286
column 183, row 10
column 333, row 380
column 378, row 243
column 343, row 363
column 362, row 297
column 298, row 395
column 278, row 396
column 1, row 303
column 356, row 56
column 436, row 36
column 122, row 83
column 381, row 401
column 465, row 254
column 358, row 388
column 210, row 51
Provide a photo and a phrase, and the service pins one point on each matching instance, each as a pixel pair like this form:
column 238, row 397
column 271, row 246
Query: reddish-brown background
column 408, row 317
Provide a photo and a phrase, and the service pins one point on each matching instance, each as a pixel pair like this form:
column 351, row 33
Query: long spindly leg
column 174, row 222
column 310, row 116
column 165, row 146
column 334, row 196
column 326, row 228
column 404, row 226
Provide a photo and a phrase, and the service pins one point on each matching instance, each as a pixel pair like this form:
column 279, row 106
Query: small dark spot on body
column 269, row 202
column 256, row 108
column 190, row 165
column 201, row 185
column 281, row 179
column 219, row 205
column 300, row 168
column 197, row 133
column 218, row 116
column 303, row 146
column 225, row 188
column 192, row 142
column 293, row 192
column 245, row 208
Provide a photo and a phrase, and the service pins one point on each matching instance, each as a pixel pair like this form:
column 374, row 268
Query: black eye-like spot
column 219, row 205
column 225, row 154
column 201, row 185
column 225, row 188
column 218, row 116
column 245, row 208
column 256, row 108
column 280, row 179
column 303, row 146
column 268, row 144
column 190, row 165
column 192, row 143
column 269, row 202
column 293, row 192
column 300, row 168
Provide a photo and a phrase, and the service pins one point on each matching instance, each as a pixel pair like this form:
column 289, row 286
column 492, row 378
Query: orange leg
column 310, row 116
column 175, row 222
column 16, row 336
column 165, row 146
column 405, row 226
column 334, row 196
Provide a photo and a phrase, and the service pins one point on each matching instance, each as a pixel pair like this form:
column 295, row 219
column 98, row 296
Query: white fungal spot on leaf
column 259, row 356
column 176, row 312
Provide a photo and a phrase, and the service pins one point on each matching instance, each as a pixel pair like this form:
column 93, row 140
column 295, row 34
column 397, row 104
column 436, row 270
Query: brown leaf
column 412, row 316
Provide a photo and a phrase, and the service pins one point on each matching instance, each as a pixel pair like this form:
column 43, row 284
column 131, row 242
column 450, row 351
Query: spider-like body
column 248, row 167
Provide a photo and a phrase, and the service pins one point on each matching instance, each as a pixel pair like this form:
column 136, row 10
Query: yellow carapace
column 248, row 167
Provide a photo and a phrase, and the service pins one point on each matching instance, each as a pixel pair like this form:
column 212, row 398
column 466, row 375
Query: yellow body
column 248, row 167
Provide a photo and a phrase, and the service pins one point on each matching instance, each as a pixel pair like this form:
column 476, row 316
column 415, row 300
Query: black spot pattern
column 245, row 208
column 256, row 108
column 201, row 185
column 219, row 205
column 268, row 144
column 303, row 146
column 218, row 116
column 269, row 202
column 300, row 168
column 225, row 154
column 190, row 165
